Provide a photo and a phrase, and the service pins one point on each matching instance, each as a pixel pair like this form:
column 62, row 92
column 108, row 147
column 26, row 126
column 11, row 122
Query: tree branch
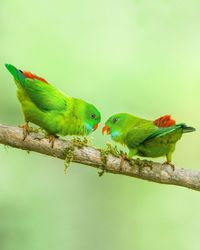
column 87, row 155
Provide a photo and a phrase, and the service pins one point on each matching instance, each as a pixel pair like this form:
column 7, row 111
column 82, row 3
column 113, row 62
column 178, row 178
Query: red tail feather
column 164, row 121
column 32, row 76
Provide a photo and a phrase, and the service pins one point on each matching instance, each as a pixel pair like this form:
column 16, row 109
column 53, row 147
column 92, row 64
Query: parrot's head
column 92, row 117
column 89, row 115
column 117, row 125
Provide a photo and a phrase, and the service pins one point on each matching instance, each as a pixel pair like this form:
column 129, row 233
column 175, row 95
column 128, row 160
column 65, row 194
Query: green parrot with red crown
column 145, row 137
column 47, row 107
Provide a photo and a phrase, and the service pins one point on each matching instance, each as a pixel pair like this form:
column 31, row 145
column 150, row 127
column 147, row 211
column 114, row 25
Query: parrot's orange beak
column 95, row 127
column 106, row 129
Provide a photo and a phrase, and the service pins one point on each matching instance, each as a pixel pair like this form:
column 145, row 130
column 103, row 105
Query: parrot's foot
column 52, row 139
column 26, row 130
column 170, row 164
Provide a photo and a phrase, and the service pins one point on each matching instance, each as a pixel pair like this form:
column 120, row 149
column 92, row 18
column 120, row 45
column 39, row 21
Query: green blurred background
column 136, row 56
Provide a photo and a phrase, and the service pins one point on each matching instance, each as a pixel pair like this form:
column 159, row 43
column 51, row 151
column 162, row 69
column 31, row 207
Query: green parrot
column 144, row 137
column 47, row 107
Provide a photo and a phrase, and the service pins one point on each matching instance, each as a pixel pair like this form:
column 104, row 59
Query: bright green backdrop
column 136, row 56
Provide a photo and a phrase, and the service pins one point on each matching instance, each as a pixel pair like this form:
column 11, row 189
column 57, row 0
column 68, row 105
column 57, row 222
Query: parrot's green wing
column 171, row 134
column 138, row 134
column 45, row 96
column 41, row 93
column 164, row 131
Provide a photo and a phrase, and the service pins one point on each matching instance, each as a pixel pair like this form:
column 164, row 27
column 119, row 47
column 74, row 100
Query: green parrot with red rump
column 144, row 137
column 47, row 107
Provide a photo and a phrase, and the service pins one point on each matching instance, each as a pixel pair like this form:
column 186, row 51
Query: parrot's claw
column 26, row 130
column 170, row 164
column 52, row 139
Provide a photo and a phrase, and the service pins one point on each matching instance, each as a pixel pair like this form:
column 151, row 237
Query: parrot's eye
column 93, row 116
column 115, row 120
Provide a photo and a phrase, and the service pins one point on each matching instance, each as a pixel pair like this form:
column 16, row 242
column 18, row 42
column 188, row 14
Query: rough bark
column 76, row 151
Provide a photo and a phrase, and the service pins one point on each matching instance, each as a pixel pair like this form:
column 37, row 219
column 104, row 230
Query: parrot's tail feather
column 164, row 121
column 17, row 74
column 13, row 71
column 187, row 129
column 21, row 75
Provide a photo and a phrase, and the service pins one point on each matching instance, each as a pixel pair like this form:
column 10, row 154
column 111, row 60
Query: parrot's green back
column 44, row 105
column 144, row 137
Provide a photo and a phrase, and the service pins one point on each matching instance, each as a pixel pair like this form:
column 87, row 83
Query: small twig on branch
column 87, row 155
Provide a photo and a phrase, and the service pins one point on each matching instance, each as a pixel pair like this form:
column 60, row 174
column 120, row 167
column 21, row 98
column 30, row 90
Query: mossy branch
column 100, row 158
